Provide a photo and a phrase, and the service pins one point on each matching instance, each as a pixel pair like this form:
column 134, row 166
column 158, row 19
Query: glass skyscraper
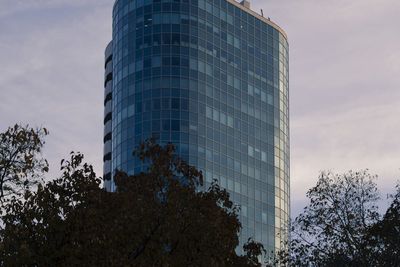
column 210, row 76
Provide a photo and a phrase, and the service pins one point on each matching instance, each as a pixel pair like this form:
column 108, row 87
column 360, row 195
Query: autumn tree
column 332, row 230
column 155, row 218
column 21, row 163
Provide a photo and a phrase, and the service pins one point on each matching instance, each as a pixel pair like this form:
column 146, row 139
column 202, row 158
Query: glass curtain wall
column 211, row 77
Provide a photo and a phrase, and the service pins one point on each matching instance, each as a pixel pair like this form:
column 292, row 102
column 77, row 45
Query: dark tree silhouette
column 21, row 164
column 155, row 218
column 384, row 236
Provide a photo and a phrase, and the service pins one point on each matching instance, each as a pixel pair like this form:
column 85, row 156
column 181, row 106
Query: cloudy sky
column 344, row 81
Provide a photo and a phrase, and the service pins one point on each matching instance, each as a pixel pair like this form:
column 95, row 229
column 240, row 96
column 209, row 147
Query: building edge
column 107, row 140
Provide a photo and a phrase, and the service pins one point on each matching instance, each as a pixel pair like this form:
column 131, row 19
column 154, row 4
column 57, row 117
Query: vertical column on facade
column 282, row 154
column 108, row 85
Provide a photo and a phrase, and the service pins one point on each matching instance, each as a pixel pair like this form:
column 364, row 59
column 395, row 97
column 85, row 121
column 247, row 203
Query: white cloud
column 52, row 75
column 9, row 7
column 353, row 139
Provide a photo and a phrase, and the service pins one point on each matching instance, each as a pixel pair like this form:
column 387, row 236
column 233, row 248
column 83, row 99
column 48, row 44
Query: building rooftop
column 245, row 5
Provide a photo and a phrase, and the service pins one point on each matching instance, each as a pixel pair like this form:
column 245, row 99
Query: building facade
column 210, row 76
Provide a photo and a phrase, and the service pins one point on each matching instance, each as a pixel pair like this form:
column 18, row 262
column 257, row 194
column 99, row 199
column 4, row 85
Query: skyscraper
column 210, row 76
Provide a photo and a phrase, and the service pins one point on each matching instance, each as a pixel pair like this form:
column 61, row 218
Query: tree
column 155, row 218
column 332, row 229
column 21, row 164
column 384, row 236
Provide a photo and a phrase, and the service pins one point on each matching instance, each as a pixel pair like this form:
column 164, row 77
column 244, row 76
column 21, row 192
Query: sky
column 344, row 81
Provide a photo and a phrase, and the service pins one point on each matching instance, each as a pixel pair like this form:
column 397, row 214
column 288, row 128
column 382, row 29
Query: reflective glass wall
column 211, row 77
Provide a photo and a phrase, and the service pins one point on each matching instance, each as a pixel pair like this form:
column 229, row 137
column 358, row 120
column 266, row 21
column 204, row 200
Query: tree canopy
column 160, row 217
column 155, row 218
column 21, row 163
column 341, row 225
column 384, row 236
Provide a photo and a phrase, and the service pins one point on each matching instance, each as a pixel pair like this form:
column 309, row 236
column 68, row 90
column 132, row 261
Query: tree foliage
column 161, row 218
column 341, row 225
column 21, row 164
column 384, row 236
column 332, row 229
column 155, row 218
